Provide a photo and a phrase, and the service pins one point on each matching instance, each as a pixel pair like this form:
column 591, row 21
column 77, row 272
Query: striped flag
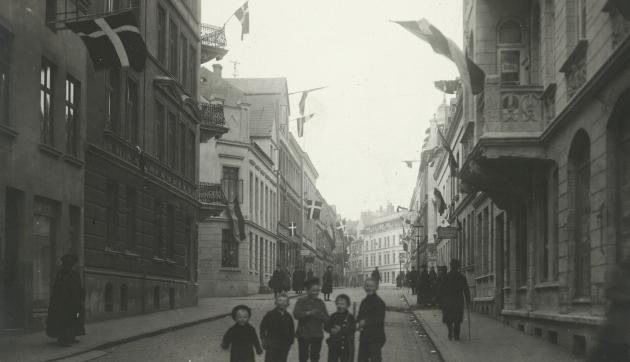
column 470, row 72
column 300, row 123
column 242, row 14
column 113, row 41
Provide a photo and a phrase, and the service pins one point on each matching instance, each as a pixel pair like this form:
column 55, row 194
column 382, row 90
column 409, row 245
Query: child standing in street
column 241, row 337
column 311, row 313
column 277, row 331
column 341, row 329
column 371, row 323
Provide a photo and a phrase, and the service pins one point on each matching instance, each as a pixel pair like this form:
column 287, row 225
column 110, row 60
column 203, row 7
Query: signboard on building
column 447, row 232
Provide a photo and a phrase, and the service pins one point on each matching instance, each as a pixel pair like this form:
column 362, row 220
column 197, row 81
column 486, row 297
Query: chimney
column 218, row 70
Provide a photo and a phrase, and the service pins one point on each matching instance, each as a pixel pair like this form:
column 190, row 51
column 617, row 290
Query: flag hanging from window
column 452, row 161
column 113, row 41
column 313, row 209
column 470, row 72
column 341, row 225
column 242, row 14
column 441, row 204
column 300, row 123
column 237, row 221
column 293, row 228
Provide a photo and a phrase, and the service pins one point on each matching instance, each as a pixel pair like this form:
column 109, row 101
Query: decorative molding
column 235, row 157
column 50, row 150
column 74, row 161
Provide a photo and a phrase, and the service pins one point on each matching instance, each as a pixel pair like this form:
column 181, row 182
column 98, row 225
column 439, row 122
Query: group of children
column 277, row 330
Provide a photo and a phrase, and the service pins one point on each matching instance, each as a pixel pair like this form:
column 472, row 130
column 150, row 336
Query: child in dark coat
column 341, row 328
column 241, row 337
column 277, row 331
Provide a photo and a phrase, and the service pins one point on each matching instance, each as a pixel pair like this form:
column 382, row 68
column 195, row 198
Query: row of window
column 175, row 141
column 262, row 252
column 385, row 242
column 123, row 298
column 174, row 49
column 386, row 277
column 262, row 202
column 381, row 259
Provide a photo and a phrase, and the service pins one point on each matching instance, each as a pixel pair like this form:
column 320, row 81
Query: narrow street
column 201, row 342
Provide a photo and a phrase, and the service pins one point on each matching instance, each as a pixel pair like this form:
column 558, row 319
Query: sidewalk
column 39, row 347
column 491, row 341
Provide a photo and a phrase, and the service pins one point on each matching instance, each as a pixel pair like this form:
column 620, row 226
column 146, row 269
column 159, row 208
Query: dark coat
column 342, row 342
column 286, row 281
column 327, row 282
column 372, row 311
column 453, row 291
column 66, row 309
column 312, row 325
column 412, row 278
column 309, row 275
column 277, row 330
column 242, row 340
column 275, row 283
column 298, row 280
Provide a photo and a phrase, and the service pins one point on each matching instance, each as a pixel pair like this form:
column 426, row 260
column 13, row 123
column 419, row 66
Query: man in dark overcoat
column 454, row 296
column 423, row 287
column 412, row 280
column 65, row 318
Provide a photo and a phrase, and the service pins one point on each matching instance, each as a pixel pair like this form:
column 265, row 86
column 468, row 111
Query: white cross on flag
column 293, row 228
column 113, row 41
column 242, row 14
column 341, row 225
column 313, row 208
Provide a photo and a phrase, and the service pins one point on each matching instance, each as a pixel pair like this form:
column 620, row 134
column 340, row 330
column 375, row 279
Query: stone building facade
column 42, row 160
column 382, row 247
column 541, row 206
column 141, row 169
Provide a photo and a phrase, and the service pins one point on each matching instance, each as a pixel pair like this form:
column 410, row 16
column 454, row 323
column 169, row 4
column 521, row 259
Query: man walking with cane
column 453, row 294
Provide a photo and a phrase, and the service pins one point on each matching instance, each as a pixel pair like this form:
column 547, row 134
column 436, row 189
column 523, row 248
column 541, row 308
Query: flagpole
column 308, row 90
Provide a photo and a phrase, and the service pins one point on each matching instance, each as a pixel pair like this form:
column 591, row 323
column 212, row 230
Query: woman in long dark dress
column 65, row 318
column 327, row 283
column 454, row 296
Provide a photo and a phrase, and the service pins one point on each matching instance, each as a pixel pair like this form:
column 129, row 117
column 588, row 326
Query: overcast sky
column 380, row 77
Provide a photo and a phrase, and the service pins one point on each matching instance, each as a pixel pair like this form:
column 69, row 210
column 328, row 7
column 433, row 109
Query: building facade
column 42, row 160
column 539, row 197
column 383, row 245
column 141, row 169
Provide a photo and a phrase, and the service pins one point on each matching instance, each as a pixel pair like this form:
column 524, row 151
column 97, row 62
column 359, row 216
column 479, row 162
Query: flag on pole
column 113, row 41
column 314, row 209
column 341, row 225
column 409, row 163
column 447, row 86
column 305, row 93
column 293, row 228
column 300, row 123
column 237, row 221
column 242, row 14
column 451, row 158
column 441, row 204
column 470, row 72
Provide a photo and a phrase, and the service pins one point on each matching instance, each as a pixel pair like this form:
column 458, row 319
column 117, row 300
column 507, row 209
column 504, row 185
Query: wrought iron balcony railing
column 212, row 114
column 211, row 193
column 213, row 36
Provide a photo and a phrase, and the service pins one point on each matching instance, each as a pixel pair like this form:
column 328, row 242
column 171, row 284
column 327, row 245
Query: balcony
column 212, row 121
column 213, row 43
column 212, row 199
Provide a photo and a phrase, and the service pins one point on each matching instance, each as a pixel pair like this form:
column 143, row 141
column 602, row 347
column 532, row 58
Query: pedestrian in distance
column 454, row 296
column 439, row 281
column 341, row 326
column 371, row 324
column 432, row 286
column 65, row 318
column 412, row 280
column 275, row 282
column 277, row 331
column 423, row 287
column 311, row 314
column 309, row 275
column 241, row 338
column 327, row 283
column 376, row 275
column 286, row 280
column 298, row 280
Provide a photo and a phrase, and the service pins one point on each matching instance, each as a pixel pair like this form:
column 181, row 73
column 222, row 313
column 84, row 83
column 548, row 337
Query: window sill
column 582, row 301
column 50, row 151
column 130, row 254
column 522, row 289
column 230, row 269
column 109, row 250
column 547, row 285
column 74, row 161
column 8, row 131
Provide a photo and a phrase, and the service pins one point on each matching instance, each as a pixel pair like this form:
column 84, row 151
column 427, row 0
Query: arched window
column 109, row 297
column 156, row 298
column 510, row 32
column 123, row 297
column 579, row 182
